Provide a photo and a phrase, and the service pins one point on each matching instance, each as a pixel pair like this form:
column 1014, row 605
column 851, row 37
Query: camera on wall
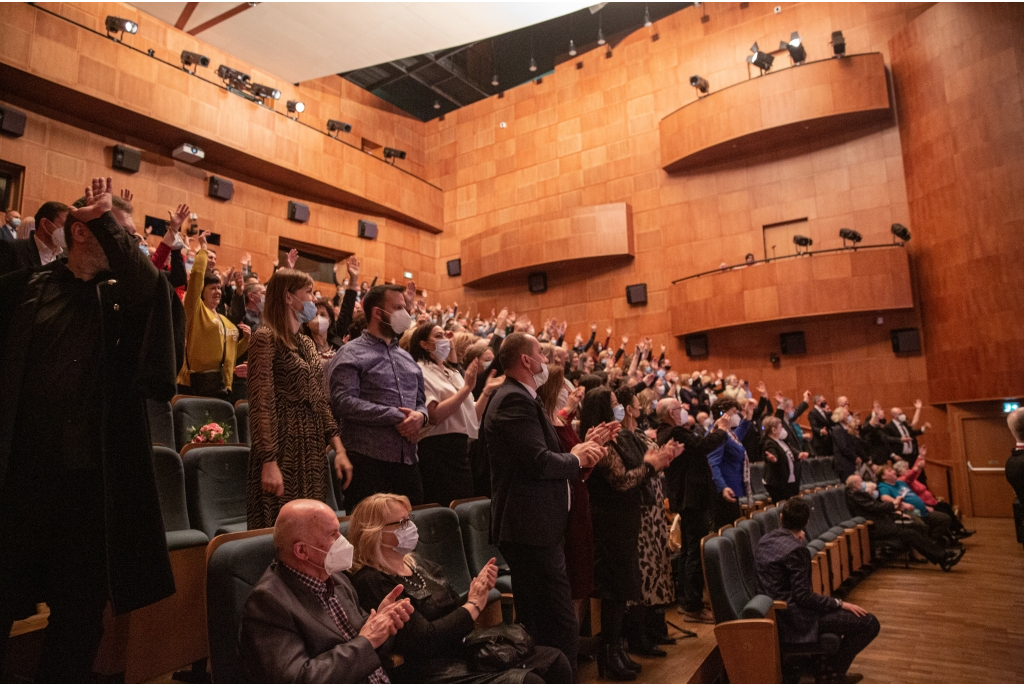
column 193, row 227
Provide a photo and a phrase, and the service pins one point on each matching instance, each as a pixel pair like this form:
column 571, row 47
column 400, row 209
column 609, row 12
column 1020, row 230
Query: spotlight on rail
column 850, row 235
column 900, row 231
column 120, row 26
column 802, row 241
column 333, row 126
column 193, row 59
column 700, row 83
column 393, row 154
column 797, row 52
column 761, row 60
column 838, row 43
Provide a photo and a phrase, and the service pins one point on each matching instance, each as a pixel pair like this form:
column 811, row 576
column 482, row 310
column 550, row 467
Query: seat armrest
column 780, row 605
column 759, row 606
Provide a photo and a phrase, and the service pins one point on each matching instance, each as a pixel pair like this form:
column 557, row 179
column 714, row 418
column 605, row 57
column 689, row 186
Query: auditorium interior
column 837, row 213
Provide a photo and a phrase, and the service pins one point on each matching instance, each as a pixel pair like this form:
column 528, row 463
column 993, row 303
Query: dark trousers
column 52, row 549
column 856, row 633
column 726, row 512
column 444, row 468
column 543, row 598
column 939, row 525
column 695, row 524
column 370, row 476
column 955, row 525
column 780, row 493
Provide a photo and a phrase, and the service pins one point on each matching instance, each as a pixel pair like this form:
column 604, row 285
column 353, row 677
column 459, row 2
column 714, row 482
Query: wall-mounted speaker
column 221, row 188
column 793, row 343
column 538, row 282
column 126, row 159
column 905, row 340
column 298, row 212
column 636, row 294
column 696, row 345
column 12, row 122
column 367, row 229
column 455, row 267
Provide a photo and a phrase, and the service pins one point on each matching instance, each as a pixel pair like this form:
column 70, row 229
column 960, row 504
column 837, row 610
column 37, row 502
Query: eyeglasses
column 401, row 523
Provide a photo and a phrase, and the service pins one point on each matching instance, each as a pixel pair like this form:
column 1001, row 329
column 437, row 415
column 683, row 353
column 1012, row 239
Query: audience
column 820, row 418
column 903, row 437
column 378, row 399
column 41, row 246
column 9, row 231
column 289, row 417
column 302, row 621
column 784, row 573
column 910, row 476
column 783, row 466
column 897, row 492
column 431, row 643
column 730, row 466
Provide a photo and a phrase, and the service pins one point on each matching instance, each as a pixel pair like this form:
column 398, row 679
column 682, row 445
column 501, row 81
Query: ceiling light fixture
column 264, row 92
column 494, row 80
column 600, row 30
column 296, row 106
column 120, row 26
column 194, row 60
column 700, row 83
column 761, row 60
column 647, row 16
column 393, row 154
column 797, row 52
column 437, row 104
column 333, row 126
column 572, row 48
column 533, row 62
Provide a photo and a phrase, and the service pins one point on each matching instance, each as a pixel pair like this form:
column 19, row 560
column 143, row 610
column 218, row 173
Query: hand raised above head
column 99, row 198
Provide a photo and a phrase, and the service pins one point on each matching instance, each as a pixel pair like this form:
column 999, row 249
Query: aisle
column 966, row 626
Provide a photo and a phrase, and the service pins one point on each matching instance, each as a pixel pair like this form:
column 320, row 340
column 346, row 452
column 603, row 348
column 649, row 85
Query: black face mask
column 823, row 405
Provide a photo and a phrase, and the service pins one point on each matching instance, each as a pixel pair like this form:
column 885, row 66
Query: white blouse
column 440, row 383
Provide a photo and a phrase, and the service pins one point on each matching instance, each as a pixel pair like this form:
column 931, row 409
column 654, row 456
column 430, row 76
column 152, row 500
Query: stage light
column 848, row 234
column 296, row 106
column 699, row 83
column 761, row 60
column 838, row 43
column 264, row 92
column 437, row 104
column 494, row 80
column 600, row 36
column 333, row 126
column 797, row 52
column 119, row 25
column 900, row 231
column 193, row 59
column 533, row 64
column 802, row 241
column 233, row 78
column 572, row 48
column 393, row 154
column 647, row 16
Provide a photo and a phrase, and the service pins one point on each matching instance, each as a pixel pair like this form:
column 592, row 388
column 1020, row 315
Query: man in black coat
column 783, row 565
column 902, row 436
column 38, row 249
column 820, row 418
column 691, row 493
column 789, row 415
column 530, row 495
column 82, row 344
column 1015, row 464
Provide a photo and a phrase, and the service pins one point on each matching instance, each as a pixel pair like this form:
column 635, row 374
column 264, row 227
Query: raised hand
column 352, row 264
column 779, row 397
column 918, row 404
column 575, row 397
column 762, row 389
column 472, row 372
column 99, row 198
column 202, row 239
column 126, row 195
column 625, row 340
column 177, row 217
column 292, row 257
column 807, row 396
column 593, row 326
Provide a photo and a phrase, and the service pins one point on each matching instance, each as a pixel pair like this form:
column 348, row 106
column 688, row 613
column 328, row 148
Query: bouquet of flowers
column 212, row 433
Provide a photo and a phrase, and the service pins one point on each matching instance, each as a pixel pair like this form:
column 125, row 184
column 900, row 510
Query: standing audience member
column 82, row 343
column 41, row 246
column 289, row 416
column 531, row 484
column 782, row 465
column 453, row 416
column 820, row 418
column 789, row 415
column 783, row 565
column 302, row 621
column 384, row 539
column 692, row 493
column 212, row 342
column 1015, row 464
column 378, row 400
column 321, row 329
column 903, row 436
column 730, row 466
column 9, row 231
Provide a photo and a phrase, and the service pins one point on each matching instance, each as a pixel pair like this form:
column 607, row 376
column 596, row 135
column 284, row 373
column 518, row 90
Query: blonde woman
column 290, row 418
column 431, row 642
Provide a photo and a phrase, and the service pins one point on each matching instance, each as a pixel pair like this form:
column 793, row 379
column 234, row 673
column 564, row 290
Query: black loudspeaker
column 367, row 229
column 636, row 294
column 12, row 122
column 455, row 267
column 298, row 212
column 905, row 340
column 793, row 343
column 696, row 345
column 126, row 159
column 221, row 188
column 538, row 282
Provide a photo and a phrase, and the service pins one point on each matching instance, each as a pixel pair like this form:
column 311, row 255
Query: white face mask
column 783, row 434
column 15, row 222
column 408, row 537
column 399, row 320
column 541, row 377
column 734, row 421
column 684, row 416
column 707, row 423
column 57, row 238
column 339, row 557
column 442, row 348
column 902, row 418
column 319, row 324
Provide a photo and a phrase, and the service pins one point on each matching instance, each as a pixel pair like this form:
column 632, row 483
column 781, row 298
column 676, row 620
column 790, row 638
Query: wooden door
column 987, row 444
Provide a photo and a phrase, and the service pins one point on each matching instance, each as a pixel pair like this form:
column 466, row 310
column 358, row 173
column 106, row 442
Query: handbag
column 209, row 383
column 498, row 648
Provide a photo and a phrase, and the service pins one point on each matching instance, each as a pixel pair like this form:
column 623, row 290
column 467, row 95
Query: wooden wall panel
column 145, row 97
column 572, row 239
column 958, row 72
column 59, row 160
column 776, row 111
column 817, row 285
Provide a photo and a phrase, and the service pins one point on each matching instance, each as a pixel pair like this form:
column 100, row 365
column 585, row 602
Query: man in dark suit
column 820, row 418
column 39, row 248
column 302, row 621
column 9, row 231
column 789, row 415
column 1015, row 464
column 692, row 493
column 530, row 495
column 902, row 436
column 784, row 573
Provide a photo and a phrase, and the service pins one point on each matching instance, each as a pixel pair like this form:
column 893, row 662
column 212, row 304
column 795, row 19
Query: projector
column 188, row 153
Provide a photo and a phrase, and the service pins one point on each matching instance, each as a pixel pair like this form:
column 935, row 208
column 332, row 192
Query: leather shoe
column 702, row 616
column 964, row 534
column 953, row 557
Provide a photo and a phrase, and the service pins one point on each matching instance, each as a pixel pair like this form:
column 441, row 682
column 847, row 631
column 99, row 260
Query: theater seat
column 242, row 418
column 475, row 522
column 744, row 557
column 192, row 412
column 161, row 423
column 757, row 487
column 233, row 568
column 215, row 481
column 441, row 542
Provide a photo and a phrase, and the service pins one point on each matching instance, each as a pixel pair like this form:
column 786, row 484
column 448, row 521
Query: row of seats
column 745, row 621
column 170, row 422
column 456, row 538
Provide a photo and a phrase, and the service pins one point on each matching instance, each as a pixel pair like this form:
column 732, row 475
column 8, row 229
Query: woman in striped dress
column 290, row 419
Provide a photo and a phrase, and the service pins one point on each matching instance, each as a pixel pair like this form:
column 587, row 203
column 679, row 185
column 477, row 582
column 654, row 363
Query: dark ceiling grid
column 460, row 76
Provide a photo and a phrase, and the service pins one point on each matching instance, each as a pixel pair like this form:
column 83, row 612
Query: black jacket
column 19, row 254
column 791, row 438
column 776, row 473
column 138, row 364
column 821, row 444
column 895, row 440
column 688, row 478
column 529, row 470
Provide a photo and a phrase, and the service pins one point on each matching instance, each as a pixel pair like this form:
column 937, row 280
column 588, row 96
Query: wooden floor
column 692, row 660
